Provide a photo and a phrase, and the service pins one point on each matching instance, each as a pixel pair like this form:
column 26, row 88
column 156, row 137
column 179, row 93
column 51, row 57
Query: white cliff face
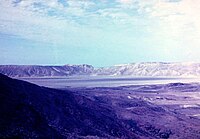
column 153, row 69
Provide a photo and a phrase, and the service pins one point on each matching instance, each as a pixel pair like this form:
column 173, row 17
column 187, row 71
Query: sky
column 99, row 32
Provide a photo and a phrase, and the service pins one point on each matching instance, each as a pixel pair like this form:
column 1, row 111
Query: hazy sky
column 101, row 33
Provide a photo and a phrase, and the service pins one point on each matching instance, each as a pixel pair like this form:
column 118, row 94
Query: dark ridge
column 30, row 111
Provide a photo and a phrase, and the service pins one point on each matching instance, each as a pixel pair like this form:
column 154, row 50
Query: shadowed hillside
column 30, row 111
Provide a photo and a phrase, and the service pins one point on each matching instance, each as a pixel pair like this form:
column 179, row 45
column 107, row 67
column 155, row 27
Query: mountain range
column 151, row 69
column 45, row 71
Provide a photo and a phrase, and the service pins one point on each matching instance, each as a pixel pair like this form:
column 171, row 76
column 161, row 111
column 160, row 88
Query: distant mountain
column 135, row 69
column 45, row 71
column 30, row 111
column 152, row 69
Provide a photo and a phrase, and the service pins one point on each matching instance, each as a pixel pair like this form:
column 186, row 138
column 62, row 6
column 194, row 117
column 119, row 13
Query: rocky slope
column 137, row 106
